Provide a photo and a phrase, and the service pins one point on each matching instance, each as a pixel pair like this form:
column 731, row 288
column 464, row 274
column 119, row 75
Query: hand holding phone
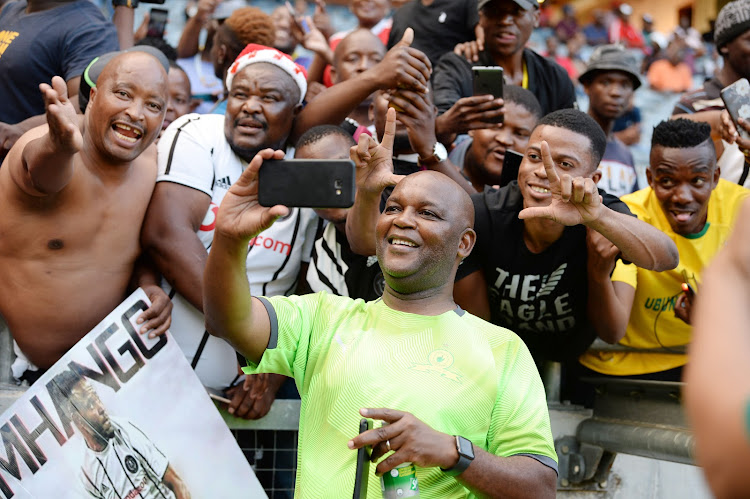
column 299, row 21
column 488, row 80
column 736, row 98
column 157, row 22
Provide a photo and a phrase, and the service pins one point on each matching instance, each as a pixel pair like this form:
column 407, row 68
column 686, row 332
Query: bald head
column 144, row 66
column 356, row 53
column 443, row 191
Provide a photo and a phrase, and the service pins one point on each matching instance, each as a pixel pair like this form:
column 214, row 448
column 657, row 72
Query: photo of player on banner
column 120, row 415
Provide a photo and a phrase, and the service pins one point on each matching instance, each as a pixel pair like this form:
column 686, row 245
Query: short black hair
column 159, row 43
column 317, row 133
column 580, row 123
column 524, row 98
column 680, row 133
column 66, row 381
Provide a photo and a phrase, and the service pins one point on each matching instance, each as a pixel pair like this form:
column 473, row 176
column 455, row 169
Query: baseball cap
column 611, row 58
column 524, row 4
column 95, row 68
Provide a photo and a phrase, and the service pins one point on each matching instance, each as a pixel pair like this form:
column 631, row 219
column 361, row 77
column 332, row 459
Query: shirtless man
column 74, row 195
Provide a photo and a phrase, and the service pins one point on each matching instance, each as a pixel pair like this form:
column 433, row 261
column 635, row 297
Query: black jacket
column 548, row 81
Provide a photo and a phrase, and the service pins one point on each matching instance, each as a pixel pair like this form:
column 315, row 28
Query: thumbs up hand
column 403, row 67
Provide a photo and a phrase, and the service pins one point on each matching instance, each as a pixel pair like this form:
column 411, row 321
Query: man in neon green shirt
column 462, row 397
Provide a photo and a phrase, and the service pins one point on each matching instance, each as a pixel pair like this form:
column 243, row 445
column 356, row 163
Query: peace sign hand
column 375, row 160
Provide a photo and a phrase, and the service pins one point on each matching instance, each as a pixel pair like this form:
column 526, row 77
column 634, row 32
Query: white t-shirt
column 194, row 152
column 130, row 466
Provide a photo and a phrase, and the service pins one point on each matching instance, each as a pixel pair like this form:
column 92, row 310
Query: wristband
column 131, row 4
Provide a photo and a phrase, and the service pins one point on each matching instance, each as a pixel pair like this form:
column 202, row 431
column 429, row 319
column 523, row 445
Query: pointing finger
column 390, row 129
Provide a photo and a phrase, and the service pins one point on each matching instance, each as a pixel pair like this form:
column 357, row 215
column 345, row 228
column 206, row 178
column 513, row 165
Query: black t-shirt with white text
column 542, row 297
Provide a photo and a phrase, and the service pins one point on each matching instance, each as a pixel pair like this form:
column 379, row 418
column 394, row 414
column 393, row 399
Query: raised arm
column 46, row 164
column 402, row 67
column 717, row 395
column 374, row 173
column 577, row 201
column 190, row 38
column 418, row 115
column 231, row 312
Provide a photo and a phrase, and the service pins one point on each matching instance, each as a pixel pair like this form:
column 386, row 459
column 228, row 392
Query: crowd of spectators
column 119, row 153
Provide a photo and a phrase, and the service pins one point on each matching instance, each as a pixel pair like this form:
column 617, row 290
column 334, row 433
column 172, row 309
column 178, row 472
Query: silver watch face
column 440, row 151
column 465, row 447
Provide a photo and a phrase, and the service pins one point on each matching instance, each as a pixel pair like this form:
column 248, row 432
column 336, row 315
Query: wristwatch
column 439, row 154
column 125, row 3
column 465, row 456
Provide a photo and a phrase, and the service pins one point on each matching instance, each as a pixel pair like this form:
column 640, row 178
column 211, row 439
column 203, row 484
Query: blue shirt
column 35, row 47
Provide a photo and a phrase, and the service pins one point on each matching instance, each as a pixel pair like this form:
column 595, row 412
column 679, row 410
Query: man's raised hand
column 240, row 215
column 574, row 200
column 471, row 113
column 404, row 66
column 375, row 160
column 61, row 117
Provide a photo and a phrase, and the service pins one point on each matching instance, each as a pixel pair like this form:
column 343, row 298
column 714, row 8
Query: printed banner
column 120, row 416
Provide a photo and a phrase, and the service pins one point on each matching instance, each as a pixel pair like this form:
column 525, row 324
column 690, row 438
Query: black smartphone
column 326, row 183
column 736, row 98
column 511, row 164
column 363, row 464
column 488, row 80
column 157, row 22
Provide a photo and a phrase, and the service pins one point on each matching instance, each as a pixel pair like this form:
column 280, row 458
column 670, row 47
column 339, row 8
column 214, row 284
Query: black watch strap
column 465, row 456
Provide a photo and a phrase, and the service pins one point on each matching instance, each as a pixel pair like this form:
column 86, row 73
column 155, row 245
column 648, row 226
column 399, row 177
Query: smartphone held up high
column 157, row 22
column 307, row 183
column 488, row 80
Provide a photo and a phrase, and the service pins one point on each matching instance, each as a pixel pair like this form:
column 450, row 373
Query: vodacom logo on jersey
column 209, row 222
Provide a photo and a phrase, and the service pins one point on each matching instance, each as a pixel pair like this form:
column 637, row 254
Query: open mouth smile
column 127, row 133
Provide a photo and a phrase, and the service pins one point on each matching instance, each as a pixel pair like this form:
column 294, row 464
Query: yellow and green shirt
column 652, row 321
column 457, row 373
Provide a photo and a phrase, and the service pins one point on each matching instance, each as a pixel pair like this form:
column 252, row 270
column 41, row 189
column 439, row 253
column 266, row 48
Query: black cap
column 611, row 58
column 524, row 4
column 95, row 68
